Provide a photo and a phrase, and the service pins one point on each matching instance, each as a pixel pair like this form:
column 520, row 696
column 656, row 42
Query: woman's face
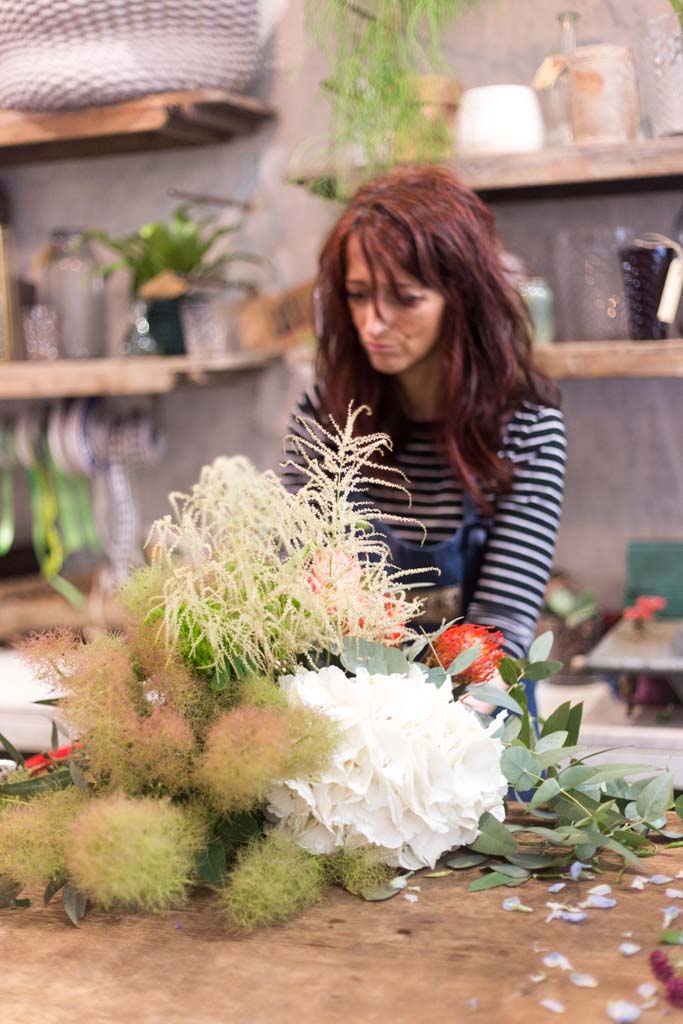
column 397, row 332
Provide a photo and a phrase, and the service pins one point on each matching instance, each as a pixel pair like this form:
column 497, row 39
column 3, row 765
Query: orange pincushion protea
column 459, row 638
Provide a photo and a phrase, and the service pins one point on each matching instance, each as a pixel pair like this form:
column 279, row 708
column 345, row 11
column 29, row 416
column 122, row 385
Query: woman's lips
column 378, row 349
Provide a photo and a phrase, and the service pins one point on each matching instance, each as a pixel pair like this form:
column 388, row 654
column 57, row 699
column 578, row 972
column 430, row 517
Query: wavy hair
column 425, row 222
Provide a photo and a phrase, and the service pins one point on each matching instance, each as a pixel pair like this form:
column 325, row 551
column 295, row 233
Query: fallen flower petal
column 599, row 902
column 553, row 1005
column 557, row 887
column 583, row 980
column 573, row 916
column 661, row 879
column 557, row 960
column 600, row 890
column 674, row 894
column 639, row 882
column 410, row 897
column 670, row 914
column 629, row 948
column 646, row 990
column 576, row 870
column 622, row 1012
column 514, row 903
column 538, row 978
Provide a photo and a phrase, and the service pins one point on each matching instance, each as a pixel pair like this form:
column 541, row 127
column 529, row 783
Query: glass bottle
column 538, row 298
column 75, row 288
column 554, row 96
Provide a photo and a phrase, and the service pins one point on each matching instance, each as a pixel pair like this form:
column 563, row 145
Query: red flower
column 674, row 992
column 644, row 608
column 460, row 638
column 39, row 764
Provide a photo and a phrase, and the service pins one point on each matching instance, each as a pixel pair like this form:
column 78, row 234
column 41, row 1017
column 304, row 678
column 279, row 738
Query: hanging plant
column 387, row 104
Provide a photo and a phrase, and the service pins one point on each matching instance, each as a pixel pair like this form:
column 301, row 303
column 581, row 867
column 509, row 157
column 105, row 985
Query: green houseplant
column 167, row 260
column 392, row 99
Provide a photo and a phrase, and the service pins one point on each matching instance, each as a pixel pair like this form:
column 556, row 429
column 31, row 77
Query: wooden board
column 343, row 962
column 31, row 605
column 646, row 164
column 151, row 122
column 588, row 360
column 145, row 375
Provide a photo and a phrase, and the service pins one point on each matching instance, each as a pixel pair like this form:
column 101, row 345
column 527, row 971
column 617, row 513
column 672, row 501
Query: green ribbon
column 6, row 512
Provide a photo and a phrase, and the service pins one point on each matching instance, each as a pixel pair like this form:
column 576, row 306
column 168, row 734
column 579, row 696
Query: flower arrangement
column 643, row 610
column 270, row 724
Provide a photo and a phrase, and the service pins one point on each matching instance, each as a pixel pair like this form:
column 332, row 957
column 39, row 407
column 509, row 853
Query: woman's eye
column 409, row 300
column 356, row 296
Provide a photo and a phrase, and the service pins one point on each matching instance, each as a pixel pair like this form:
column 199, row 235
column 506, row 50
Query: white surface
column 639, row 738
column 25, row 724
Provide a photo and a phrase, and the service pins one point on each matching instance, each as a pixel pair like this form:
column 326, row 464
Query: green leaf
column 532, row 861
column 53, row 888
column 542, row 669
column 520, row 767
column 512, row 729
column 671, row 938
column 464, row 660
column 493, row 880
column 574, row 724
column 58, row 779
column 77, row 777
column 12, row 751
column 551, row 741
column 678, row 807
column 9, row 890
column 548, row 789
column 54, row 739
column 494, row 837
column 211, row 866
column 576, row 775
column 656, row 798
column 376, row 658
column 379, row 892
column 20, row 904
column 510, row 671
column 462, row 861
column 606, row 772
column 541, row 647
column 492, row 695
column 549, row 758
column 557, row 720
column 50, row 701
column 512, row 870
column 75, row 903
column 586, row 851
column 238, row 829
column 611, row 844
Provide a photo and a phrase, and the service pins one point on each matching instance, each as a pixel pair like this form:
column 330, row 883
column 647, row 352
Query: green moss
column 34, row 836
column 357, row 870
column 273, row 880
column 134, row 852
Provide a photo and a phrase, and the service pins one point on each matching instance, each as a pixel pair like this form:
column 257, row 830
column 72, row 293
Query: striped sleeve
column 522, row 539
column 292, row 478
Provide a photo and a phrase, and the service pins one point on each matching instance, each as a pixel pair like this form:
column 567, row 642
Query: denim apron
column 459, row 560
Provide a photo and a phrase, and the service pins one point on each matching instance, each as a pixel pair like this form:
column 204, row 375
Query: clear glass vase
column 662, row 73
column 75, row 288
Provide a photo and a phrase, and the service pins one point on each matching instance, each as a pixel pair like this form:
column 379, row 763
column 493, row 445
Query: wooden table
column 450, row 957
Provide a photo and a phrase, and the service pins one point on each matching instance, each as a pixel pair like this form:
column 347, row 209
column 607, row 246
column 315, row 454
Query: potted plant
column 392, row 98
column 168, row 260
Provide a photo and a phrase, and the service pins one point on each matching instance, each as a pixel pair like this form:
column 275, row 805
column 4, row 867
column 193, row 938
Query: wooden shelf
column 144, row 375
column 153, row 122
column 31, row 605
column 589, row 360
column 637, row 166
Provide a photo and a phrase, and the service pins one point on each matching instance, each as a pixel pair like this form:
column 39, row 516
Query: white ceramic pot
column 499, row 119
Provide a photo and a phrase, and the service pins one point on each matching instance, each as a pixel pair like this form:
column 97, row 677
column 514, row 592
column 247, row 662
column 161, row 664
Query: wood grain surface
column 452, row 956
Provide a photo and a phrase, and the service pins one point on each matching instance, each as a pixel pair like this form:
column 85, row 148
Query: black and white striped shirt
column 521, row 541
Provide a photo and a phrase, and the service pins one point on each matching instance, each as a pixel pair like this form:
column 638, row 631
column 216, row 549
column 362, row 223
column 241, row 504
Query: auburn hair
column 428, row 224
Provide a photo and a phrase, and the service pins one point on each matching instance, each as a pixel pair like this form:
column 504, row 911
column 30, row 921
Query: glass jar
column 662, row 73
column 538, row 298
column 74, row 286
column 603, row 94
column 555, row 98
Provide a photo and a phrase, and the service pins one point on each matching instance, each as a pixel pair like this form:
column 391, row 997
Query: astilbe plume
column 459, row 638
column 237, row 562
column 34, row 836
column 134, row 852
column 273, row 879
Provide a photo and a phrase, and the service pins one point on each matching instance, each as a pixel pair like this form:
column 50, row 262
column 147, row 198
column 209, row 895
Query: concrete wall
column 625, row 470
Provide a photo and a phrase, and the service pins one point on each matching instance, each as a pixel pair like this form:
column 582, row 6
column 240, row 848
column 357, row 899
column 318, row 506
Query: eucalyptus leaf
column 606, row 772
column 512, row 729
column 548, row 789
column 492, row 695
column 436, row 677
column 576, row 775
column 656, row 797
column 75, row 904
column 542, row 669
column 509, row 671
column 520, row 767
column 464, row 660
column 492, row 880
column 557, row 720
column 462, row 861
column 512, row 870
column 541, row 647
column 678, row 806
column 494, row 837
column 574, row 723
column 586, row 852
column 77, row 777
column 552, row 741
column 671, row 937
column 532, row 861
column 550, row 758
column 379, row 892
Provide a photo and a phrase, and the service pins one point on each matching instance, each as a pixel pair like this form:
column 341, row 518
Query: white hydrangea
column 412, row 774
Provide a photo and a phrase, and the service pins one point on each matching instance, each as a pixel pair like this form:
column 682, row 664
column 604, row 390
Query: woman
column 418, row 320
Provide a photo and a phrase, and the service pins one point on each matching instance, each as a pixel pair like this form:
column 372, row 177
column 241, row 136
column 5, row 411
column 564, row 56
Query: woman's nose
column 374, row 320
